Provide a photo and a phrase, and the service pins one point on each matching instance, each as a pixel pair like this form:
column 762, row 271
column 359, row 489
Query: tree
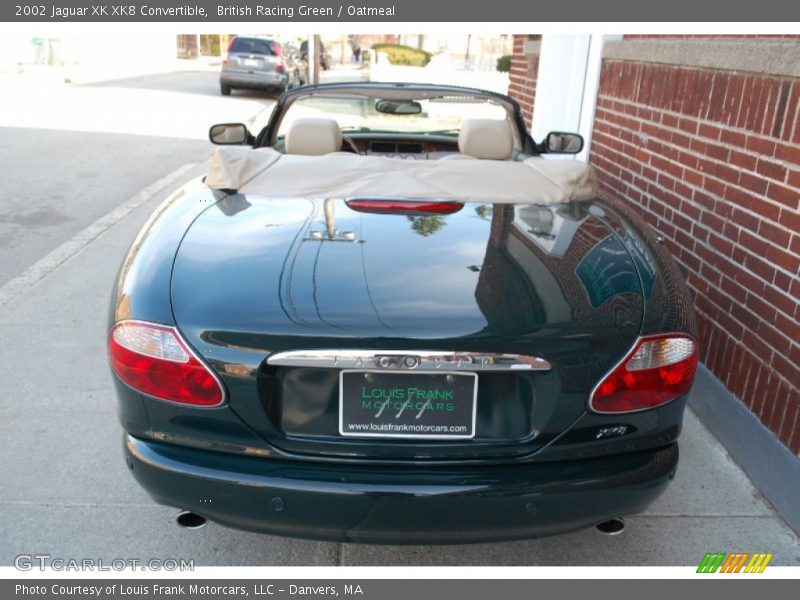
column 426, row 225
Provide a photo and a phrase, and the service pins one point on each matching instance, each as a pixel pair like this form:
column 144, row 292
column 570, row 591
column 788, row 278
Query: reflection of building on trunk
column 529, row 276
column 505, row 294
column 551, row 227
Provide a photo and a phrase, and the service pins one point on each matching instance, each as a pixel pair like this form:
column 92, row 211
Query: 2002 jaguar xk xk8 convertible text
column 387, row 317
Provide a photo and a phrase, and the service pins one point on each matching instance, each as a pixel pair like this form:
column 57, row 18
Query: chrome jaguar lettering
column 419, row 360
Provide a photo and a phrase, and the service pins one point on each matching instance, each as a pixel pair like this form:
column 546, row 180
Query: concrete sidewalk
column 66, row 490
column 86, row 74
column 82, row 74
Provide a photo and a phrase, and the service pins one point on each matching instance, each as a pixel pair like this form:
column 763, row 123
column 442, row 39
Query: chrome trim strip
column 429, row 360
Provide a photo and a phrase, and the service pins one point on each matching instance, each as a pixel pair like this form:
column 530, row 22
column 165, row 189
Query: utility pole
column 313, row 57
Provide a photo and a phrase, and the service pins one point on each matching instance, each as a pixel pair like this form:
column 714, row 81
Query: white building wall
column 566, row 86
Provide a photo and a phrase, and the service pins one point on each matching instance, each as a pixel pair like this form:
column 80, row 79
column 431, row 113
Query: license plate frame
column 463, row 384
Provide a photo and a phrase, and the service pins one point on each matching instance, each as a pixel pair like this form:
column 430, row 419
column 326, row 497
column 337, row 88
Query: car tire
column 225, row 90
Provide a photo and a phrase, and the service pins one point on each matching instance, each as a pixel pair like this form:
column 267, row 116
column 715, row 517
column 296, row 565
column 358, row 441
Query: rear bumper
column 400, row 504
column 250, row 79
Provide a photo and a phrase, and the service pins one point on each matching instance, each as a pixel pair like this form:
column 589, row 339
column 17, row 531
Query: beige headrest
column 486, row 138
column 313, row 137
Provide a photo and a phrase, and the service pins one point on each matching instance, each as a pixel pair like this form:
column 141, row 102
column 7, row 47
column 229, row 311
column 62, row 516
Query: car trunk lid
column 255, row 277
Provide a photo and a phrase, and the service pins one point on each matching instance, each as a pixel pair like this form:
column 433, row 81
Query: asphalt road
column 74, row 154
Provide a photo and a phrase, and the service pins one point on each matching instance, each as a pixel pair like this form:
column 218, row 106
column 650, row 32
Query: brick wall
column 524, row 70
column 710, row 157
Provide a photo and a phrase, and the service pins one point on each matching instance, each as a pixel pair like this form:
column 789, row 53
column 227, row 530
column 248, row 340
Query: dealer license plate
column 419, row 404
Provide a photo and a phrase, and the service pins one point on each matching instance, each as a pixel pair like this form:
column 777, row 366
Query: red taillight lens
column 280, row 68
column 154, row 359
column 406, row 207
column 657, row 370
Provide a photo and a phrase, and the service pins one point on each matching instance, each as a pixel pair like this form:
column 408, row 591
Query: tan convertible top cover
column 265, row 172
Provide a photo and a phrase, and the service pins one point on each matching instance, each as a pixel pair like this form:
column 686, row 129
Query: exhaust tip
column 190, row 520
column 611, row 527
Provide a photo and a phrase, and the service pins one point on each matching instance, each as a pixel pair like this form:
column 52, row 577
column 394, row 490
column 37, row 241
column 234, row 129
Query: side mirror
column 227, row 134
column 561, row 142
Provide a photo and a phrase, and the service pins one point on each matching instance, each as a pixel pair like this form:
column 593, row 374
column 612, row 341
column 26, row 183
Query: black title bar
column 389, row 11
column 397, row 589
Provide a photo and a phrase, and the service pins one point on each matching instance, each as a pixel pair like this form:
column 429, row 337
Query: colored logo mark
column 736, row 562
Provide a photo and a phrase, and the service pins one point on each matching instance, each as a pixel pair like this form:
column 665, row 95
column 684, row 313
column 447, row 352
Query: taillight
column 406, row 207
column 658, row 369
column 155, row 360
column 280, row 68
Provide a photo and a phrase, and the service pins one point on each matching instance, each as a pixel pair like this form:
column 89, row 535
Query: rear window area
column 253, row 46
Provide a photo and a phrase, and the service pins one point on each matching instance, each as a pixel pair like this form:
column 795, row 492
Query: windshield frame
column 393, row 91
